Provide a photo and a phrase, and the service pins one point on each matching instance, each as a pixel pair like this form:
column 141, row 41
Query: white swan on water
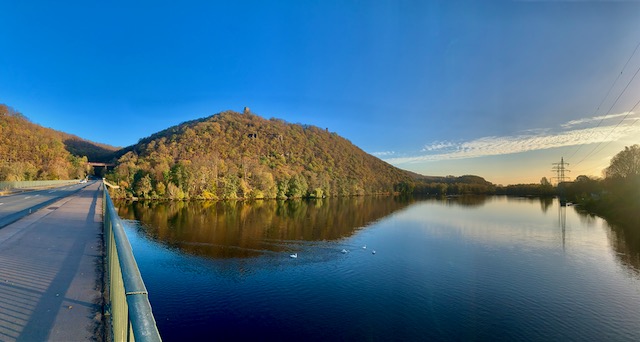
column 364, row 247
column 294, row 255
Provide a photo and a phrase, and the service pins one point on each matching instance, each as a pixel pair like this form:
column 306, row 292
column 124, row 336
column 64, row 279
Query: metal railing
column 131, row 315
column 34, row 184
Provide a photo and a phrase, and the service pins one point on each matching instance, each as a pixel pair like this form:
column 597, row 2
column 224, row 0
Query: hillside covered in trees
column 31, row 152
column 231, row 155
column 225, row 156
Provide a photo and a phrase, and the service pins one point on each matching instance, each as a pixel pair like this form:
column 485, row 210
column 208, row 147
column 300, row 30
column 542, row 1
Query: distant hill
column 451, row 185
column 233, row 155
column 95, row 152
column 31, row 152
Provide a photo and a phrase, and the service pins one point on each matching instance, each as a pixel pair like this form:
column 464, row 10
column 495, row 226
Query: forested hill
column 225, row 156
column 233, row 155
column 31, row 152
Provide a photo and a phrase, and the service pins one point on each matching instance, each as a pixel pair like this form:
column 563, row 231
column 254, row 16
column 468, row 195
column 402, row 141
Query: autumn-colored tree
column 143, row 186
column 232, row 155
column 31, row 152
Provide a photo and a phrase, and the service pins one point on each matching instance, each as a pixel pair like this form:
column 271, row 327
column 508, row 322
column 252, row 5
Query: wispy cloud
column 437, row 146
column 531, row 140
column 383, row 153
column 602, row 118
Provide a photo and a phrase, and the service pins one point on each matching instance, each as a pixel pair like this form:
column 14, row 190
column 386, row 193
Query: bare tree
column 625, row 164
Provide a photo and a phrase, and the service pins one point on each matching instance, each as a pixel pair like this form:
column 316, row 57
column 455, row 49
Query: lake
column 465, row 268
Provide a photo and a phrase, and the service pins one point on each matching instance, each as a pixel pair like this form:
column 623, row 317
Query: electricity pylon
column 560, row 169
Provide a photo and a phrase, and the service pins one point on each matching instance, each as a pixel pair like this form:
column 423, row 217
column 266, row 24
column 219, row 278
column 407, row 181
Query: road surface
column 17, row 206
column 51, row 269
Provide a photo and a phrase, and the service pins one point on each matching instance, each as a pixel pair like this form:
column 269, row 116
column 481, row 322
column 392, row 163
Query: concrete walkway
column 50, row 272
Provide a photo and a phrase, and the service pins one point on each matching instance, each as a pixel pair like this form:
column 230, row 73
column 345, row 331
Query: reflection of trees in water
column 461, row 200
column 243, row 229
column 586, row 218
column 545, row 203
column 470, row 201
column 624, row 239
column 479, row 200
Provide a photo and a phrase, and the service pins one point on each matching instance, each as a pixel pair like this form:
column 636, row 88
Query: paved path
column 50, row 272
column 16, row 206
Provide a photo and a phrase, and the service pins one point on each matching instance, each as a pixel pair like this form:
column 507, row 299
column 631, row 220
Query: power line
column 608, row 134
column 607, row 95
column 621, row 121
column 584, row 171
column 609, row 142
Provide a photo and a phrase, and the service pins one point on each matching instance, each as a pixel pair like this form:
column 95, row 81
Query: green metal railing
column 34, row 184
column 131, row 315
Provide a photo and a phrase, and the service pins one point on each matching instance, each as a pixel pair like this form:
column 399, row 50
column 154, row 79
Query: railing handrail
column 140, row 317
column 131, row 276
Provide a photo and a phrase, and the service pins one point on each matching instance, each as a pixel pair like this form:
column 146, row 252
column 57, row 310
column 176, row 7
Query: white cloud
column 573, row 123
column 383, row 153
column 538, row 139
column 438, row 146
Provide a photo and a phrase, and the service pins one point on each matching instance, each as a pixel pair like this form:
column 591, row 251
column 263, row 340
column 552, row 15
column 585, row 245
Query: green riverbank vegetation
column 617, row 195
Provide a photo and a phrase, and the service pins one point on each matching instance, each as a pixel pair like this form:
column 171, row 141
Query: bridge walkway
column 51, row 272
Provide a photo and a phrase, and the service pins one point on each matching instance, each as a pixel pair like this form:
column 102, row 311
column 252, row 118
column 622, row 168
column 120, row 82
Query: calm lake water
column 492, row 268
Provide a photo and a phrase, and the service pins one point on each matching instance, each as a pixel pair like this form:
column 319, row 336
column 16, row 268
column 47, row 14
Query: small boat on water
column 294, row 255
column 344, row 251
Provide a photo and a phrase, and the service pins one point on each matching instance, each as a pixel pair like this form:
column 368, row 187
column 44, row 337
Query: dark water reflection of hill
column 237, row 229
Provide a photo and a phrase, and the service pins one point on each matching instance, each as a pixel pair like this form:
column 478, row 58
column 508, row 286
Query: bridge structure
column 104, row 166
column 67, row 271
column 94, row 164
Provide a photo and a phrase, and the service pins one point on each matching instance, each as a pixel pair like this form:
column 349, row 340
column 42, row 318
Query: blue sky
column 501, row 89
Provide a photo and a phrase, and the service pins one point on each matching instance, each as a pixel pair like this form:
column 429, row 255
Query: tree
column 625, row 164
column 297, row 187
column 143, row 186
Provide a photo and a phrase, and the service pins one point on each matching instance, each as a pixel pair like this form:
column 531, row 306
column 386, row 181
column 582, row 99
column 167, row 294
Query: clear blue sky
column 500, row 89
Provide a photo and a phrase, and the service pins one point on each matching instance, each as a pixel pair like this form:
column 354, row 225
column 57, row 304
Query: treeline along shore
column 242, row 156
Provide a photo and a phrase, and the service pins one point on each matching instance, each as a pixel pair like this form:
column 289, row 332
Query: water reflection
column 562, row 223
column 249, row 229
column 444, row 270
column 545, row 203
column 467, row 201
column 626, row 243
column 623, row 238
column 237, row 229
column 457, row 200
